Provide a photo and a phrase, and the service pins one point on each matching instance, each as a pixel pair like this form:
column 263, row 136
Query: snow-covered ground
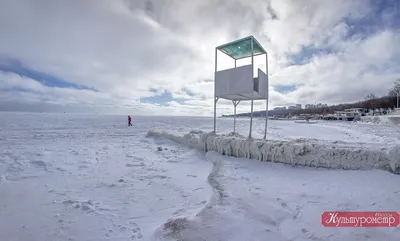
column 91, row 177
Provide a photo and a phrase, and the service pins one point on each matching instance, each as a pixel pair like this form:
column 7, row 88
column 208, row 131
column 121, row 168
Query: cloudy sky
column 156, row 57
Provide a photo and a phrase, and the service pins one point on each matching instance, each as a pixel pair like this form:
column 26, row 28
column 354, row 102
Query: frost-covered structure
column 336, row 155
column 390, row 119
column 241, row 83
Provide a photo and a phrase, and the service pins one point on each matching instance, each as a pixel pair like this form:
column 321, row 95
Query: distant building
column 292, row 107
column 320, row 105
column 312, row 106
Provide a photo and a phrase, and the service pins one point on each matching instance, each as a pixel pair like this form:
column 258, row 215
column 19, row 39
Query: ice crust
column 386, row 119
column 303, row 152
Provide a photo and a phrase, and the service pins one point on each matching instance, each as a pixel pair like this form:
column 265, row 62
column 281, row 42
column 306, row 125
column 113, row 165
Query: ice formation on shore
column 303, row 152
column 385, row 119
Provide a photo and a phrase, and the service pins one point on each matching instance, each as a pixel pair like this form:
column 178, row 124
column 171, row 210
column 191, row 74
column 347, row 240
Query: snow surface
column 91, row 177
column 269, row 201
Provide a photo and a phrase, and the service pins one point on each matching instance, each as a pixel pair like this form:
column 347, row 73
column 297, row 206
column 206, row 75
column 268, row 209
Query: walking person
column 129, row 120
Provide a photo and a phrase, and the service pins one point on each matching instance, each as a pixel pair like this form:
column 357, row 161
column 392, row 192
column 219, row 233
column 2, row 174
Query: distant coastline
column 370, row 102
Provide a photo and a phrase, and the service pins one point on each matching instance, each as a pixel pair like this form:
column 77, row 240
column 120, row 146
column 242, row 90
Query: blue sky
column 383, row 15
column 46, row 79
column 160, row 99
column 119, row 56
column 285, row 88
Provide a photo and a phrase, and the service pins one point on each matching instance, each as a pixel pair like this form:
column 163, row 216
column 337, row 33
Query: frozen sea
column 77, row 177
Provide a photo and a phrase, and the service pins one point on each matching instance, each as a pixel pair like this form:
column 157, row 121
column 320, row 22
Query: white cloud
column 124, row 48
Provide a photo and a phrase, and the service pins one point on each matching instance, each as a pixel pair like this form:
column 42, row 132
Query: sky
column 156, row 57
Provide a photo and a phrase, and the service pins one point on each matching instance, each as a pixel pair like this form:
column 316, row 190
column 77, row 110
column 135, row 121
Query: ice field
column 91, row 177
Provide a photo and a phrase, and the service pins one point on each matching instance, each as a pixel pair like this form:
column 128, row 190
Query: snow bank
column 386, row 119
column 336, row 155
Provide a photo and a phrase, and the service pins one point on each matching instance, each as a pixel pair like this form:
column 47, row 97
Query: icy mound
column 336, row 155
column 387, row 119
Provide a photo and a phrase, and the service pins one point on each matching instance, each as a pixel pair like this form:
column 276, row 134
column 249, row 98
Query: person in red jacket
column 129, row 120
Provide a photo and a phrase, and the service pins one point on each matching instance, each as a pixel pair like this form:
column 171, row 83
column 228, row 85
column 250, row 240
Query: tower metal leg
column 252, row 67
column 267, row 100
column 266, row 119
column 215, row 113
column 215, row 93
column 251, row 119
column 235, row 103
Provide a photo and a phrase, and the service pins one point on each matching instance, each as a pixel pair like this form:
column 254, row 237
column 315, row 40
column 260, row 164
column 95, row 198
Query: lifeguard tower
column 240, row 83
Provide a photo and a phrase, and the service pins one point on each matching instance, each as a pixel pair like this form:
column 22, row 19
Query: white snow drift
column 336, row 155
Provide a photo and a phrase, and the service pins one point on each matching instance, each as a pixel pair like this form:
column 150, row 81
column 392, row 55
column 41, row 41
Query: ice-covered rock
column 383, row 119
column 394, row 159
